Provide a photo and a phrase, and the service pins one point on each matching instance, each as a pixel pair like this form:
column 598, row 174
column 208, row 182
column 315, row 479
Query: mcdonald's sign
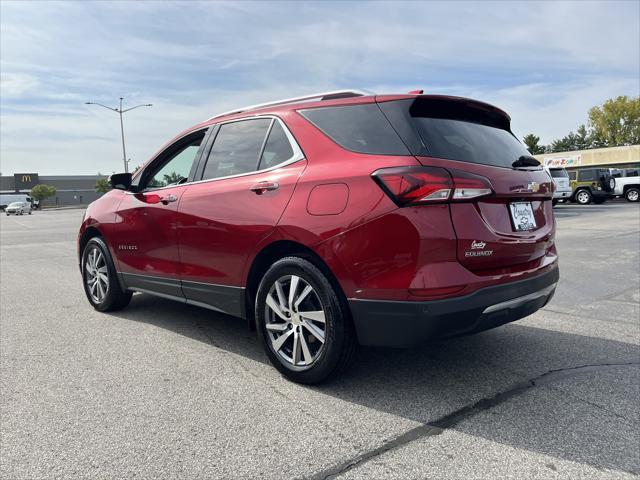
column 24, row 181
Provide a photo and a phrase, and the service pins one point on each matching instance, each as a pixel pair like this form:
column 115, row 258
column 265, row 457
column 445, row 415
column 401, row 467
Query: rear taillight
column 426, row 185
column 469, row 185
column 415, row 185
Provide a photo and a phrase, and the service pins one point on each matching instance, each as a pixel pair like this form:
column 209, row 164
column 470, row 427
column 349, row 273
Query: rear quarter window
column 359, row 128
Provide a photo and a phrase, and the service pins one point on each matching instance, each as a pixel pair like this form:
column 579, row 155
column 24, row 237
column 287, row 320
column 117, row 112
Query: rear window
column 558, row 173
column 456, row 130
column 359, row 128
column 461, row 130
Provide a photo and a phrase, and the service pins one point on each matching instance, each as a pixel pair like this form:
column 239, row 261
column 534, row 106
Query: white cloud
column 17, row 85
column 545, row 63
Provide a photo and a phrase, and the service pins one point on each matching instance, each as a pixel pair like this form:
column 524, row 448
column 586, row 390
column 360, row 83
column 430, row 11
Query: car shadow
column 428, row 383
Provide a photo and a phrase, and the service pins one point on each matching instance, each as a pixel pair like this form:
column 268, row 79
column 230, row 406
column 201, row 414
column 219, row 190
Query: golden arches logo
column 26, row 178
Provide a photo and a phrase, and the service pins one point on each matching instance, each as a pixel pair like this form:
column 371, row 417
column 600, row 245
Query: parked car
column 591, row 185
column 562, row 188
column 7, row 198
column 18, row 208
column 331, row 220
column 627, row 183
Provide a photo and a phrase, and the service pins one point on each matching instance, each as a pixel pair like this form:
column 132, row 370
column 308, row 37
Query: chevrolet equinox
column 333, row 220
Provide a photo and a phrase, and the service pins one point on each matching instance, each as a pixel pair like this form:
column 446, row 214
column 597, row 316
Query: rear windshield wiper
column 525, row 161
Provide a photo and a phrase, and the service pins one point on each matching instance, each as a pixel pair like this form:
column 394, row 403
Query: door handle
column 262, row 187
column 169, row 198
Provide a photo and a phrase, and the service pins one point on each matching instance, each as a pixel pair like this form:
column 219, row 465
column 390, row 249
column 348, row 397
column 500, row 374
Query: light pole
column 121, row 111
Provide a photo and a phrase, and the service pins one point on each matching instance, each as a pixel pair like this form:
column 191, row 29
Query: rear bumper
column 560, row 194
column 408, row 323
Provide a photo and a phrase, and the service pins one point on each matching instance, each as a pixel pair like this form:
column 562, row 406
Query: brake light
column 415, row 185
column 426, row 185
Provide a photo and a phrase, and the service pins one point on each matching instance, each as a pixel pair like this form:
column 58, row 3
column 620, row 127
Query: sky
column 545, row 63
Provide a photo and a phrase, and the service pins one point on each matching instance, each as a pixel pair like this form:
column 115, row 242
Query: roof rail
column 332, row 95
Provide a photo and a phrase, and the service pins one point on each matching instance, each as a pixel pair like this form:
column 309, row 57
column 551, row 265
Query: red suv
column 331, row 220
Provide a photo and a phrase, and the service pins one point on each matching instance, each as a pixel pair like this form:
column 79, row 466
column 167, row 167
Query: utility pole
column 120, row 111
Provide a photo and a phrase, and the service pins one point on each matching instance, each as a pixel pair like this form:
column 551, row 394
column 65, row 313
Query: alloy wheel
column 97, row 275
column 583, row 197
column 295, row 321
column 632, row 195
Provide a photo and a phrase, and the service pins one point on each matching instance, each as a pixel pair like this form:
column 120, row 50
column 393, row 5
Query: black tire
column 335, row 352
column 632, row 194
column 583, row 197
column 114, row 298
column 554, row 202
column 29, row 212
column 608, row 183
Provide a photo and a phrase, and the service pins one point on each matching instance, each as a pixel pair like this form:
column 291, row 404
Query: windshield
column 558, row 173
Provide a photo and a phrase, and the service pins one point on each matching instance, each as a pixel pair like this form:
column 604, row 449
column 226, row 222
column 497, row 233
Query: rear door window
column 277, row 150
column 359, row 128
column 588, row 175
column 236, row 148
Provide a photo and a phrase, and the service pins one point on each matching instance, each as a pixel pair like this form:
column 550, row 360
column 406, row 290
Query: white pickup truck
column 627, row 183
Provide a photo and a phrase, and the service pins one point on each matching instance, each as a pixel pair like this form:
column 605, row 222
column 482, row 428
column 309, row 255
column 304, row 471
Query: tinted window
column 455, row 129
column 236, row 148
column 588, row 175
column 359, row 128
column 175, row 169
column 558, row 172
column 277, row 149
column 631, row 173
column 572, row 175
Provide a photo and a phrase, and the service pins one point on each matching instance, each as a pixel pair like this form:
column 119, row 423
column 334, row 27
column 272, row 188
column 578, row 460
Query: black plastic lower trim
column 403, row 324
column 221, row 298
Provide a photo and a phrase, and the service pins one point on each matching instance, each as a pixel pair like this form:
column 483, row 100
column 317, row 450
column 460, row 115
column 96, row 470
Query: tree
column 533, row 144
column 172, row 178
column 583, row 138
column 616, row 122
column 102, row 185
column 40, row 192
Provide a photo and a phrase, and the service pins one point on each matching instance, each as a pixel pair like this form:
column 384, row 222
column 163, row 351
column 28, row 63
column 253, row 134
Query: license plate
column 522, row 216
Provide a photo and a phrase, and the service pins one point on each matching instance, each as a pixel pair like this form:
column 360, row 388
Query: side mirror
column 120, row 181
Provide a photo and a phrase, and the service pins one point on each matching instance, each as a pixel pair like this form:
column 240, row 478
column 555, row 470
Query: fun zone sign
column 570, row 161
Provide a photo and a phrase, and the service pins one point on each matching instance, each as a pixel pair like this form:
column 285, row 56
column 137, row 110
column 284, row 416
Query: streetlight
column 121, row 111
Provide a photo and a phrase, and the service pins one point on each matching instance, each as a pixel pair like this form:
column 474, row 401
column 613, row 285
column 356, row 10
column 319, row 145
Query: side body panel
column 221, row 221
column 146, row 242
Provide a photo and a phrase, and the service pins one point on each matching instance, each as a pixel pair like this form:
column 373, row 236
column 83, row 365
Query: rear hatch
column 505, row 229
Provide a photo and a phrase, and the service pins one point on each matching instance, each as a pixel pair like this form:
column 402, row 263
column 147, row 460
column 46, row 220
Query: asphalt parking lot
column 164, row 390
